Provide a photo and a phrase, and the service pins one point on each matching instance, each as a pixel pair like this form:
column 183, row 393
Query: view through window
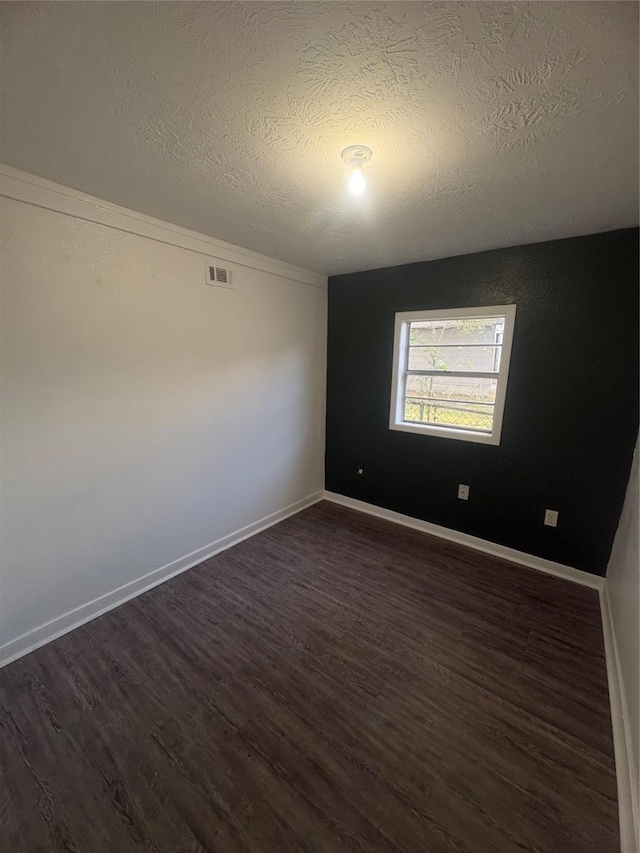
column 451, row 371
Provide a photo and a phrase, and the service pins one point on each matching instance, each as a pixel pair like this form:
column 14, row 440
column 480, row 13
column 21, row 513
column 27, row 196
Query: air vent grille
column 219, row 275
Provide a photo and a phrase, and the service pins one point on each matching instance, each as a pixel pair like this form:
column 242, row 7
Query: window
column 450, row 372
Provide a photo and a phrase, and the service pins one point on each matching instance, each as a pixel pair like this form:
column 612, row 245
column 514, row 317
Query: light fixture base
column 356, row 155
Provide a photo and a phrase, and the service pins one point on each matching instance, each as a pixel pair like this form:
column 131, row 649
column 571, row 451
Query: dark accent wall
column 571, row 414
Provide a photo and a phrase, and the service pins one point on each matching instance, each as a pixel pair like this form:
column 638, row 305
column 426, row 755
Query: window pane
column 482, row 358
column 488, row 330
column 471, row 416
column 461, row 388
column 448, row 369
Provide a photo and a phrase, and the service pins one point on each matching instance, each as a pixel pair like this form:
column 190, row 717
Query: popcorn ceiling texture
column 491, row 124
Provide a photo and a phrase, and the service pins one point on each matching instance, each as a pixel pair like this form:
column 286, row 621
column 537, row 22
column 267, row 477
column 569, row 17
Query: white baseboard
column 43, row 634
column 529, row 560
column 626, row 772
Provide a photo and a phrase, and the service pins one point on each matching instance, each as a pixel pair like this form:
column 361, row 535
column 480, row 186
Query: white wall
column 145, row 415
column 623, row 592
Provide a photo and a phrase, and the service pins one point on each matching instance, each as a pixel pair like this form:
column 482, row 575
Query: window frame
column 400, row 344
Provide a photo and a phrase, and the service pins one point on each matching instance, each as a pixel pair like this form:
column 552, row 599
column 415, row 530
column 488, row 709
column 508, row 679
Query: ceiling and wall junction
column 491, row 124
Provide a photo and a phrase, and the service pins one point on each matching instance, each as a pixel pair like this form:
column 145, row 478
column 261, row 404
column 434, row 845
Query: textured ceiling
column 491, row 124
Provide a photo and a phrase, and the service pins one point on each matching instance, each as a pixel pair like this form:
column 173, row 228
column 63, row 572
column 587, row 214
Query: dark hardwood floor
column 336, row 683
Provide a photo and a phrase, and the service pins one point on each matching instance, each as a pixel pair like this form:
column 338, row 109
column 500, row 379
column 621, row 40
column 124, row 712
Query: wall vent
column 218, row 275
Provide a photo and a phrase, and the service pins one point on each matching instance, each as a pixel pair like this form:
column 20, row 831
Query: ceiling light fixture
column 356, row 156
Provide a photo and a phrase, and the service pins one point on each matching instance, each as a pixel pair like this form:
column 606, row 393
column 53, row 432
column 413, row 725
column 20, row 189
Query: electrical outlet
column 463, row 492
column 551, row 517
column 360, row 469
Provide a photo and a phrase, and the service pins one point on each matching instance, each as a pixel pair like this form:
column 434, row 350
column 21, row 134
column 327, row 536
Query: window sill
column 447, row 432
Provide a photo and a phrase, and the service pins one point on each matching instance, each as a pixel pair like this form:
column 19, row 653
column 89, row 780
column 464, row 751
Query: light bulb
column 357, row 182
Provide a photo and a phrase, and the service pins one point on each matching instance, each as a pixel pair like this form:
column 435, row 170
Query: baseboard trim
column 529, row 560
column 626, row 774
column 44, row 634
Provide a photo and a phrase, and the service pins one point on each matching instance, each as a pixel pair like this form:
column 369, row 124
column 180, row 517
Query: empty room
column 319, row 390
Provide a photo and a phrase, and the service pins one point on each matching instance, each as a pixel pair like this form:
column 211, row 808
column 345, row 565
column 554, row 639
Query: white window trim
column 400, row 341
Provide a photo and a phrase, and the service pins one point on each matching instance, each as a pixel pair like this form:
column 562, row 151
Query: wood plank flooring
column 336, row 683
